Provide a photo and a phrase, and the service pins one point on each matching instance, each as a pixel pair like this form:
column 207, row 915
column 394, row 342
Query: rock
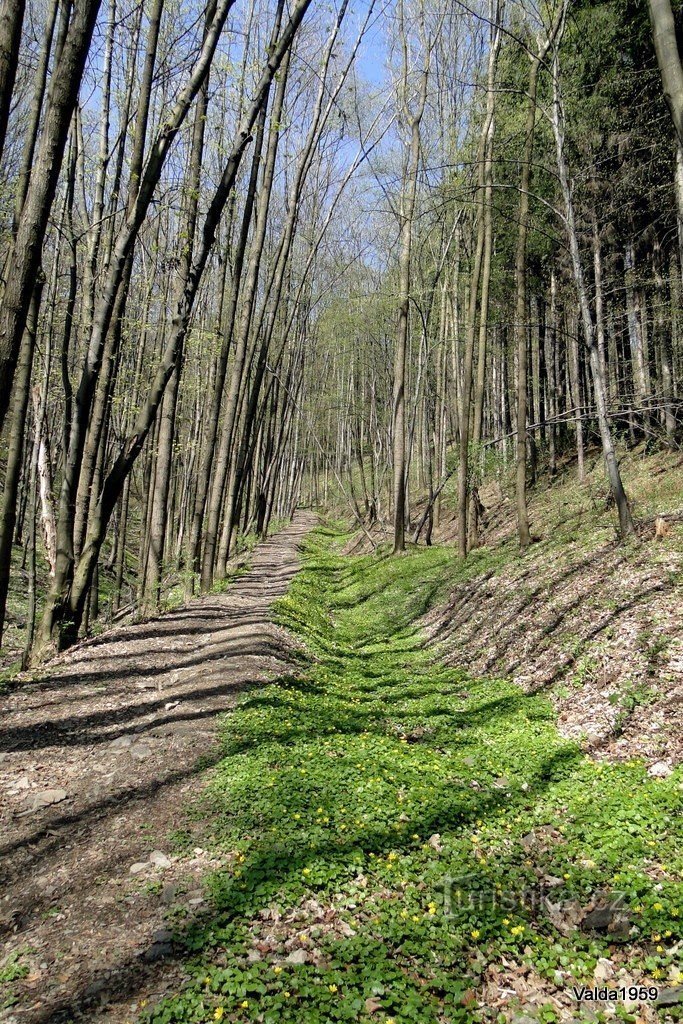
column 563, row 917
column 529, row 841
column 180, row 728
column 604, row 969
column 435, row 842
column 552, row 881
column 253, row 956
column 169, row 893
column 670, row 996
column 157, row 951
column 298, row 956
column 21, row 784
column 121, row 742
column 47, row 798
column 373, row 1004
column 660, row 770
column 94, row 988
column 501, row 783
column 606, row 919
column 161, row 947
column 196, row 902
column 140, row 751
column 159, row 859
column 139, row 866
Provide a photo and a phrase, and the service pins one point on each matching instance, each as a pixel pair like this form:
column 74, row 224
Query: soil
column 600, row 631
column 99, row 758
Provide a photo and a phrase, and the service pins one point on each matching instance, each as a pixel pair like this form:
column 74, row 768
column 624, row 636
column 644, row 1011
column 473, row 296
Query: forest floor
column 99, row 756
column 414, row 819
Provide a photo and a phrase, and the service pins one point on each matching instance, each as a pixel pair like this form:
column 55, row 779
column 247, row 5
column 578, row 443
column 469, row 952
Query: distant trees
column 558, row 256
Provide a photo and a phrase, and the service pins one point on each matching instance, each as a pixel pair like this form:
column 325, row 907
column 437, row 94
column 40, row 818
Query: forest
column 341, row 511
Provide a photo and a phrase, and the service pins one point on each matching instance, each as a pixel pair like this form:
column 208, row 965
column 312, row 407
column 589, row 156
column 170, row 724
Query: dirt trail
column 98, row 760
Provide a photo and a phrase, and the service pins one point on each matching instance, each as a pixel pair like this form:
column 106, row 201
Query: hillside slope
column 595, row 623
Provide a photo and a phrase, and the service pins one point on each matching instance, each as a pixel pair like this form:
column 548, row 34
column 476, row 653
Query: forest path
column 97, row 760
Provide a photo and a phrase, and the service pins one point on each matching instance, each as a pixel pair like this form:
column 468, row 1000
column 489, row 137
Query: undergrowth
column 392, row 830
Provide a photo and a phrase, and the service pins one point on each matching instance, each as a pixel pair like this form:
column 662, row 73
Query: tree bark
column 24, row 259
column 668, row 58
column 626, row 526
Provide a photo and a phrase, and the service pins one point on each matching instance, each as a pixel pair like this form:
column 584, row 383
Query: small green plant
column 630, row 697
column 12, row 969
column 384, row 824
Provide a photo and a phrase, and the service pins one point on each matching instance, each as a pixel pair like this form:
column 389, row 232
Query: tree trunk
column 406, row 219
column 618, row 493
column 25, row 255
column 668, row 58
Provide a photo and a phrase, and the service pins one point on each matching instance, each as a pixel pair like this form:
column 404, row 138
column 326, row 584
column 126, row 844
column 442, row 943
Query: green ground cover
column 390, row 828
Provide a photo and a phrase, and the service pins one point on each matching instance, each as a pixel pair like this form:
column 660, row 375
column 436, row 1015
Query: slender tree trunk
column 668, row 58
column 11, row 21
column 25, row 255
column 468, row 359
column 248, row 299
column 22, row 386
column 523, row 532
column 407, row 215
column 618, row 493
column 66, row 602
